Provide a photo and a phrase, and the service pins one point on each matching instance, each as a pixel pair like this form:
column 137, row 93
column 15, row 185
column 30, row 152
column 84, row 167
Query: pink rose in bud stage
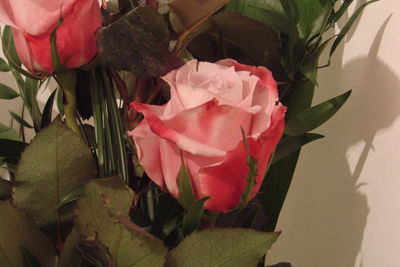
column 33, row 21
column 210, row 103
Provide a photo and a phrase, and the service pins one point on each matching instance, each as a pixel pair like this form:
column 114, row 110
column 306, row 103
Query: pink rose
column 209, row 105
column 32, row 22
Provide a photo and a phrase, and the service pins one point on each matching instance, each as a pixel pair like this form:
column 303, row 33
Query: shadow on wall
column 330, row 232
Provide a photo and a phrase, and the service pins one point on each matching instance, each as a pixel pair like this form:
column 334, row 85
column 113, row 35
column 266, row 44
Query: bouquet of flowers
column 171, row 133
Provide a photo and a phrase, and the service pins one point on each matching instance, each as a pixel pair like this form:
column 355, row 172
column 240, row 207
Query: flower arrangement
column 178, row 128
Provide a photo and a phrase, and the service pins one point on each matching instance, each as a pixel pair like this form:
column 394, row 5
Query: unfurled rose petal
column 211, row 104
column 33, row 21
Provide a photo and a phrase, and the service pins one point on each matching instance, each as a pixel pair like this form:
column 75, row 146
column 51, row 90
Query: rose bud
column 33, row 21
column 210, row 103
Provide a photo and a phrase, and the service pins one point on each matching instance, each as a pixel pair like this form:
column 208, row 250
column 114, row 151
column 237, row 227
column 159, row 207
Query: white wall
column 343, row 206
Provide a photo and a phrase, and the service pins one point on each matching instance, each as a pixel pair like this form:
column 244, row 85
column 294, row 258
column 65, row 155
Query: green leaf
column 69, row 255
column 11, row 53
column 71, row 196
column 16, row 231
column 185, row 14
column 55, row 58
column 29, row 259
column 101, row 214
column 275, row 187
column 20, row 120
column 315, row 116
column 95, row 252
column 7, row 92
column 261, row 43
column 54, row 163
column 251, row 177
column 343, row 8
column 8, row 133
column 192, row 218
column 4, row 66
column 48, row 111
column 186, row 195
column 60, row 105
column 9, row 48
column 269, row 12
column 348, row 25
column 5, row 189
column 138, row 49
column 290, row 144
column 221, row 247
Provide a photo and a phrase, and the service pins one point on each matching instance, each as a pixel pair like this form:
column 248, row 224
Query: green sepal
column 186, row 195
column 193, row 217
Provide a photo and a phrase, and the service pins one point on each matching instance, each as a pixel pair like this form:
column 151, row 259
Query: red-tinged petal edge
column 226, row 182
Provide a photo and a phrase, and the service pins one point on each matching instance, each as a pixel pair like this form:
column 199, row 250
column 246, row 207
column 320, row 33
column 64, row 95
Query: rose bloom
column 209, row 105
column 32, row 22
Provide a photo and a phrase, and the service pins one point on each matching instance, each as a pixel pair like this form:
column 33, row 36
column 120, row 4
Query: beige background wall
column 343, row 207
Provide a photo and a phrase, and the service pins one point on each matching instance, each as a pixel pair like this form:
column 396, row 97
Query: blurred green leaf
column 20, row 120
column 269, row 12
column 8, row 133
column 71, row 196
column 7, row 92
column 260, row 43
column 18, row 230
column 29, row 259
column 192, row 218
column 343, row 8
column 60, row 105
column 4, row 66
column 70, row 256
column 31, row 89
column 186, row 194
column 68, row 163
column 251, row 178
column 48, row 111
column 275, row 187
column 102, row 214
column 11, row 53
column 290, row 144
column 315, row 116
column 234, row 247
column 95, row 252
column 185, row 14
column 9, row 48
column 348, row 25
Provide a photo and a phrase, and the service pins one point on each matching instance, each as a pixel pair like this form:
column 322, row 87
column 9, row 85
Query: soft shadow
column 330, row 232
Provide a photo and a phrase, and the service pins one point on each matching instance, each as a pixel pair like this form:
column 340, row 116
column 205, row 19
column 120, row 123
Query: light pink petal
column 217, row 126
column 183, row 142
column 265, row 94
column 147, row 147
column 32, row 16
column 23, row 51
column 225, row 182
column 160, row 158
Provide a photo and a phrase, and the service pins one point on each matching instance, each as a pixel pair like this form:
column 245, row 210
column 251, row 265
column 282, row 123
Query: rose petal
column 225, row 182
column 185, row 143
column 160, row 159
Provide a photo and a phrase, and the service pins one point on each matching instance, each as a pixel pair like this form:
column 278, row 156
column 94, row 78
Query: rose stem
column 67, row 81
